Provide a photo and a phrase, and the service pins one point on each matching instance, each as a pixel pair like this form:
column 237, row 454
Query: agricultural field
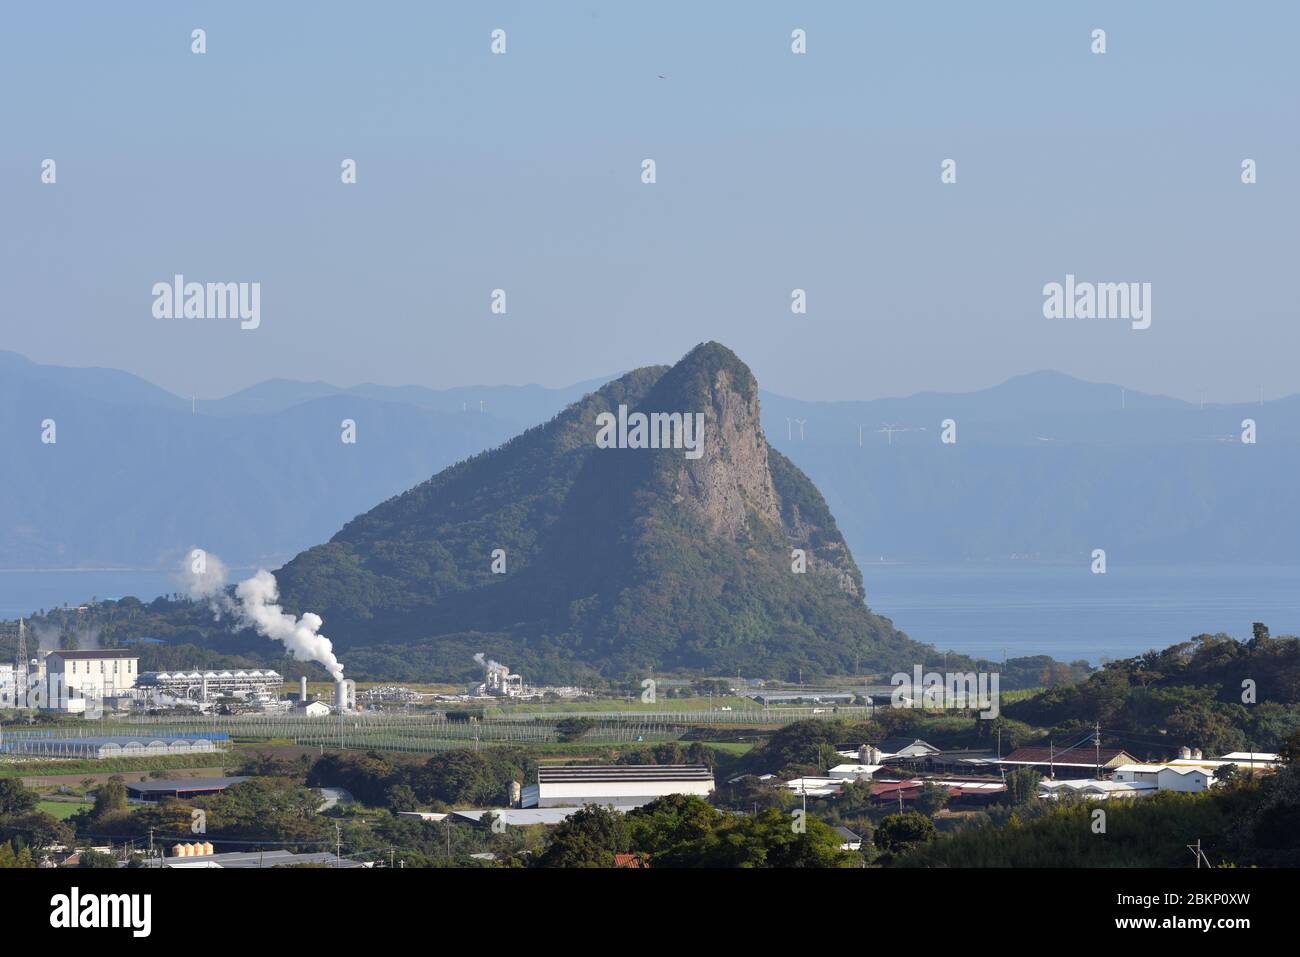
column 62, row 809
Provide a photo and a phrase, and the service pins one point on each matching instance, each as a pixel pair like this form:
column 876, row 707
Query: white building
column 1092, row 788
column 73, row 677
column 1166, row 777
column 623, row 785
column 1245, row 760
column 853, row 772
column 815, row 787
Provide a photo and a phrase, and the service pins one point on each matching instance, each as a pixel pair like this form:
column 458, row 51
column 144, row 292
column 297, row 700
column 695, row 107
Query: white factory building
column 623, row 785
column 74, row 677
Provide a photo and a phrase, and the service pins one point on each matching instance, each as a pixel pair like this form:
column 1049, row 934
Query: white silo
column 302, row 690
column 345, row 695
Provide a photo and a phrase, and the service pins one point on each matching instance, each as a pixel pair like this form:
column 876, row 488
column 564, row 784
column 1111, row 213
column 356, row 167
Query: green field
column 734, row 748
column 62, row 809
column 661, row 705
column 19, row 768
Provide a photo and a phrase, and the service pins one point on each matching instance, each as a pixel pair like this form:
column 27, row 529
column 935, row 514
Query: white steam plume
column 256, row 605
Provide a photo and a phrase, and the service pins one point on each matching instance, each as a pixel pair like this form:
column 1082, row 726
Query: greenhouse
column 71, row 746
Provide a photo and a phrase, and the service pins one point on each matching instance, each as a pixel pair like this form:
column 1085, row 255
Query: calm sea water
column 1069, row 613
column 978, row 609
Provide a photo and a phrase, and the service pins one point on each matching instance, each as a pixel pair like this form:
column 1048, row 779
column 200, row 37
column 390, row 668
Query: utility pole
column 1051, row 760
column 338, row 847
column 1199, row 854
column 1096, row 743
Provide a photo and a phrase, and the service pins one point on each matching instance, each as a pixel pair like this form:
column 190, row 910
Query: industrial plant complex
column 96, row 681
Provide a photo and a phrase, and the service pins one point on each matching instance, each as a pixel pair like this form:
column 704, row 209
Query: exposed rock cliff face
column 730, row 486
column 618, row 558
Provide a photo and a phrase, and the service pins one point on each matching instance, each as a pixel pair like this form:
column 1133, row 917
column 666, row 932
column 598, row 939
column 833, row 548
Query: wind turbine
column 889, row 430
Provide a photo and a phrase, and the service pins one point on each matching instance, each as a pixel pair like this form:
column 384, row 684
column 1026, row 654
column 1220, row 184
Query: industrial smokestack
column 344, row 695
column 302, row 689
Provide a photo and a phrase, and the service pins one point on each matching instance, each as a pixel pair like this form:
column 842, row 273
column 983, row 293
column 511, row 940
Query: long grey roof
column 67, row 655
column 617, row 773
column 183, row 784
column 276, row 858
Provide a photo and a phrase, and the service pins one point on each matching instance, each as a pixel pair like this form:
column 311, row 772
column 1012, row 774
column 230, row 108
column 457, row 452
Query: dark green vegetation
column 1252, row 821
column 618, row 561
column 458, row 778
column 1188, row 694
column 684, row 831
column 24, row 830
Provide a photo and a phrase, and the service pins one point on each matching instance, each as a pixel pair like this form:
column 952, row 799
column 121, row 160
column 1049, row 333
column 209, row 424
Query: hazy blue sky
column 775, row 171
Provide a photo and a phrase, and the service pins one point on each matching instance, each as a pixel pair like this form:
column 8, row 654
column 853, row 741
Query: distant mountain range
column 1045, row 467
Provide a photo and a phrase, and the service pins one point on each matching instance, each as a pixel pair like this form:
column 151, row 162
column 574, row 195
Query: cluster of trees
column 24, row 830
column 274, row 809
column 670, row 752
column 685, row 831
column 453, row 778
column 1212, row 692
column 11, row 856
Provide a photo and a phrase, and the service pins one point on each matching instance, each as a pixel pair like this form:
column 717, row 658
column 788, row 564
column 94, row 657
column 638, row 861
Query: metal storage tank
column 178, row 850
